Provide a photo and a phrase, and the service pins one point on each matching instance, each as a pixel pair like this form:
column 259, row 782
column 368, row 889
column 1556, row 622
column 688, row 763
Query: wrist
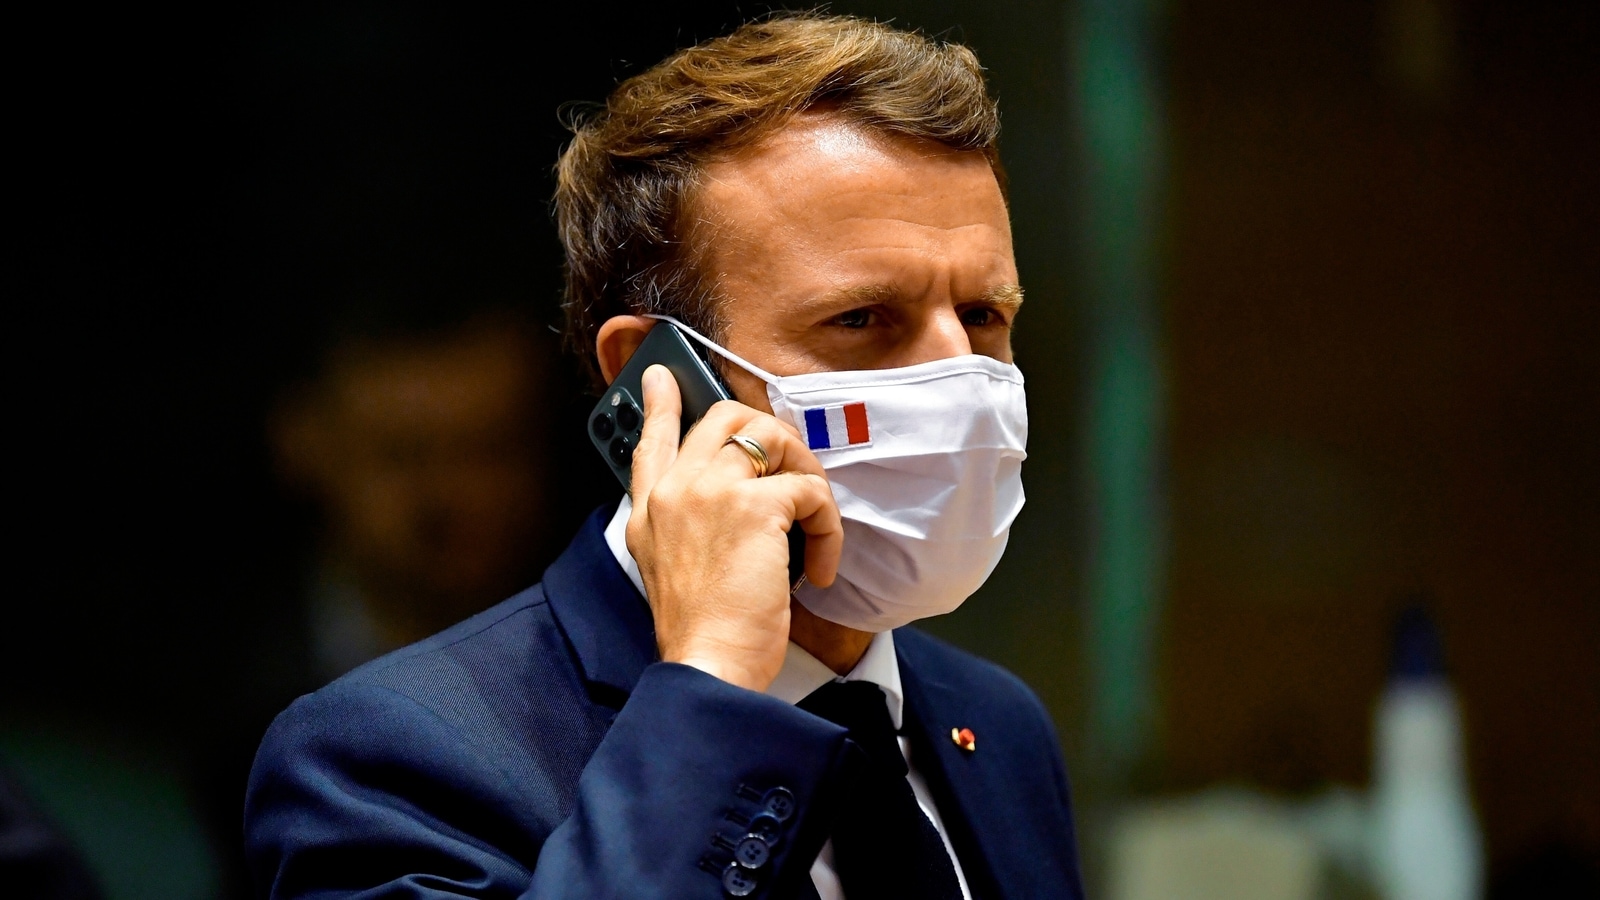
column 725, row 670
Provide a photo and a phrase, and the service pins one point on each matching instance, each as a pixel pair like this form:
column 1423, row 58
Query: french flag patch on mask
column 841, row 425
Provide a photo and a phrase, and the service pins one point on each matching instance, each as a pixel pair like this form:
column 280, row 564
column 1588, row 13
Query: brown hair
column 625, row 180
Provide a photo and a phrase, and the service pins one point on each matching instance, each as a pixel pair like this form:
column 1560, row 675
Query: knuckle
column 695, row 503
column 636, row 534
column 714, row 416
column 667, row 496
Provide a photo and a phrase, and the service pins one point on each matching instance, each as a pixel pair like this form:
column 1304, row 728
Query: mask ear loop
column 716, row 348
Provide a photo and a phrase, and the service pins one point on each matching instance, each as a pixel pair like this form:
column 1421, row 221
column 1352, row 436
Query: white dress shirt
column 803, row 673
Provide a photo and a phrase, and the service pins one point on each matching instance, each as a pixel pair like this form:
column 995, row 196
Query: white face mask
column 926, row 466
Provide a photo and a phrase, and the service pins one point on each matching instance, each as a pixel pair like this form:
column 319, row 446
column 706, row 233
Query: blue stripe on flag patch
column 817, row 429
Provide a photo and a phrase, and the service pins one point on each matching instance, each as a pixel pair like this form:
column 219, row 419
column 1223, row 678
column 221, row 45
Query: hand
column 711, row 539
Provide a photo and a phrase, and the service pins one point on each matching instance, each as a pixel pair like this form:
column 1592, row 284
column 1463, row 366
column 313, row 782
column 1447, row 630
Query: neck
column 839, row 648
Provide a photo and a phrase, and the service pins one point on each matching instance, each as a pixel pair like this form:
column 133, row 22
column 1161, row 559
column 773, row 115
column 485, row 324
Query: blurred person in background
column 423, row 455
column 418, row 449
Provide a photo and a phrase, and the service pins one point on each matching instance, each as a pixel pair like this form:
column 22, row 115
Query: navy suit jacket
column 541, row 750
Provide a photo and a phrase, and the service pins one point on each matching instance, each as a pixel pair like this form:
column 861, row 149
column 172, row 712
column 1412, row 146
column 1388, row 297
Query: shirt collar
column 617, row 540
column 802, row 673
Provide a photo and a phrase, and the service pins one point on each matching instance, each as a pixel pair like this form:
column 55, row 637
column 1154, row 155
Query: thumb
column 658, row 439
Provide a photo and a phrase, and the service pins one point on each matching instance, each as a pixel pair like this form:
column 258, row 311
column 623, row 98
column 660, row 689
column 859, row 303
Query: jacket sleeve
column 361, row 791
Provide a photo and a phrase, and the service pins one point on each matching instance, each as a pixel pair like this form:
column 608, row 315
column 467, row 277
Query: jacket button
column 737, row 881
column 780, row 802
column 752, row 852
column 766, row 826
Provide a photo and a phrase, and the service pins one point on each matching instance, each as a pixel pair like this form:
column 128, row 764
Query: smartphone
column 617, row 420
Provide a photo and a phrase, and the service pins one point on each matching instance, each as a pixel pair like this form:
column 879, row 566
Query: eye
column 855, row 318
column 979, row 317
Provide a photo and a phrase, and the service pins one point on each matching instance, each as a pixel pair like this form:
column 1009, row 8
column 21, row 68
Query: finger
column 785, row 453
column 808, row 500
column 708, row 443
column 707, row 436
column 658, row 439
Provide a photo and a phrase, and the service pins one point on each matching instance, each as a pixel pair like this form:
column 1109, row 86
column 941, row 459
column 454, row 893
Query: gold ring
column 752, row 449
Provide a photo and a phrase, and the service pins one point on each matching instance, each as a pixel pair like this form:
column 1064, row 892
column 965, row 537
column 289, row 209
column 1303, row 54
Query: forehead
column 470, row 377
column 822, row 169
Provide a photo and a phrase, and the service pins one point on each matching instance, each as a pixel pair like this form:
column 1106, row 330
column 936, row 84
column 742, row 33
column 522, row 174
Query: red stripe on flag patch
column 855, row 423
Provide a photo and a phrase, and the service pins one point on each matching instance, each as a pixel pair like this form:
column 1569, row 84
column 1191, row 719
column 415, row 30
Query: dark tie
column 883, row 844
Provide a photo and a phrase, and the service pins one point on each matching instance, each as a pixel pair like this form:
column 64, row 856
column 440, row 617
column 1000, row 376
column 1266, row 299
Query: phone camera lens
column 628, row 417
column 622, row 451
column 603, row 426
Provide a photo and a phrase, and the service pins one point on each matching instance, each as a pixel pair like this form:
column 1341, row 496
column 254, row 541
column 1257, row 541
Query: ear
column 619, row 337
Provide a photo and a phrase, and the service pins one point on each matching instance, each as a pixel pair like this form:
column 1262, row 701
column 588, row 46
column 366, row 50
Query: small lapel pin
column 964, row 738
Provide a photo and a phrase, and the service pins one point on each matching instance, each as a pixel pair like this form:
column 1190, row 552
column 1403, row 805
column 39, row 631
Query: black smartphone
column 617, row 420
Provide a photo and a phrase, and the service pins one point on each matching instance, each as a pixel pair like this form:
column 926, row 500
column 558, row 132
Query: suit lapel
column 605, row 620
column 972, row 790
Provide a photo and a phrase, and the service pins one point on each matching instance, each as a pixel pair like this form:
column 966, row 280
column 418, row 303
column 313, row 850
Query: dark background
column 1378, row 319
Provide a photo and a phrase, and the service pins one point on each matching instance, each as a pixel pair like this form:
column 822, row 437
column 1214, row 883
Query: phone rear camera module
column 621, row 451
column 628, row 417
column 603, row 427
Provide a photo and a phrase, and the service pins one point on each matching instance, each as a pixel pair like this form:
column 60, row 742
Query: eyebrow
column 1006, row 296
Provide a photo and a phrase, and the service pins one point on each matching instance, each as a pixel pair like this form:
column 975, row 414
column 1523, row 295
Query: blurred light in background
column 1119, row 141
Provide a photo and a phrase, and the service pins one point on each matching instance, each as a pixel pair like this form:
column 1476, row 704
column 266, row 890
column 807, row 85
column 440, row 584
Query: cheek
column 994, row 343
column 747, row 389
column 377, row 508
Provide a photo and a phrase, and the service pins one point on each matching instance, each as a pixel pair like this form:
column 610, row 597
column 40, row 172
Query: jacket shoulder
column 498, row 692
column 501, row 631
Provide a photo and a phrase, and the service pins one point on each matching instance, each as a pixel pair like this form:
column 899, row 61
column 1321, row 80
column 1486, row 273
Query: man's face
column 837, row 248
column 425, row 460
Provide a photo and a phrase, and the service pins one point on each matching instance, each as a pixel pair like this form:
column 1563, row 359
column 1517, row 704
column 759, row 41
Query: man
column 422, row 451
column 816, row 200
